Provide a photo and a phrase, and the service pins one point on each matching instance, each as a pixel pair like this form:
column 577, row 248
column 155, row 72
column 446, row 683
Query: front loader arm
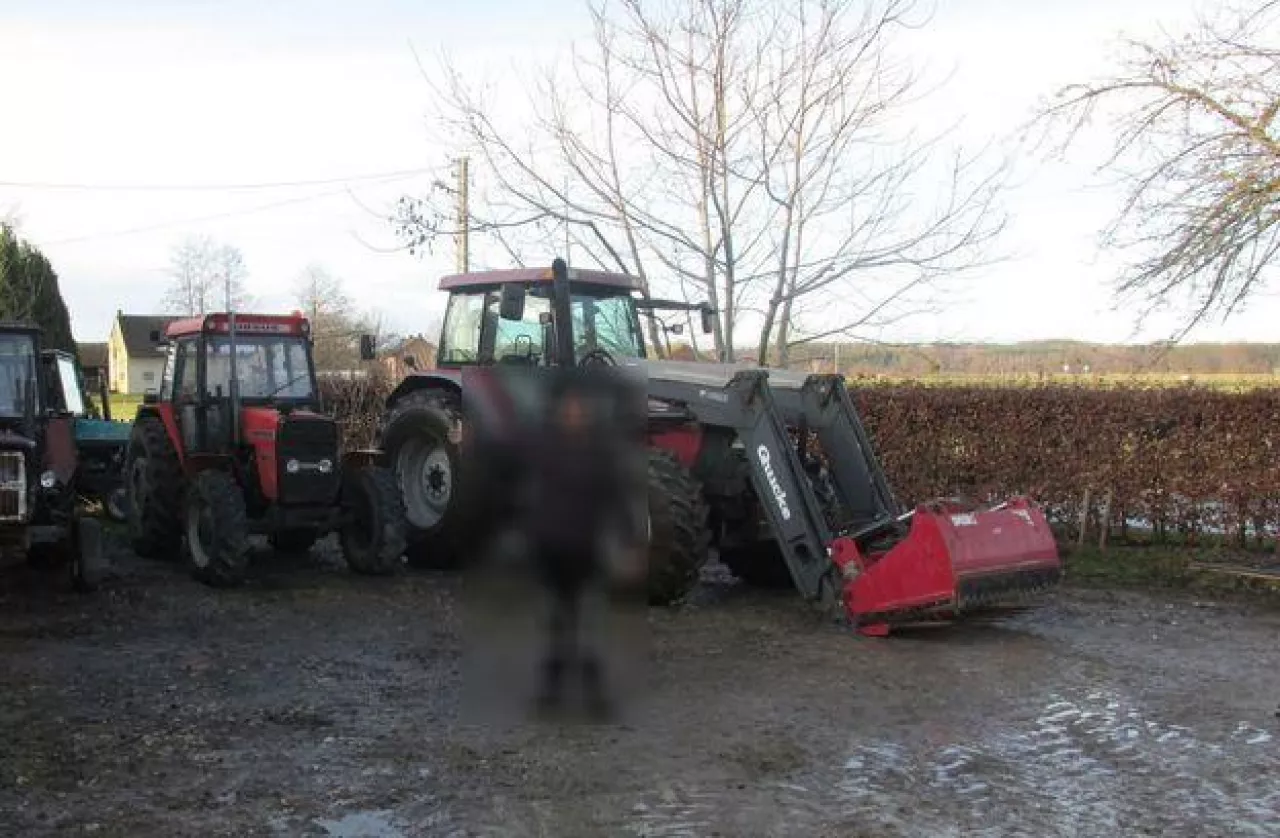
column 746, row 405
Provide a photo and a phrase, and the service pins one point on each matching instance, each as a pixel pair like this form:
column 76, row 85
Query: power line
column 216, row 217
column 210, row 187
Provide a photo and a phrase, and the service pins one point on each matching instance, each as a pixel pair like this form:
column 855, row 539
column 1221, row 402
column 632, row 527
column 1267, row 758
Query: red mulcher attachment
column 827, row 502
column 954, row 560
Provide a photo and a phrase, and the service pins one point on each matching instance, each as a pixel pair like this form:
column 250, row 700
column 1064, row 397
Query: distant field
column 1216, row 381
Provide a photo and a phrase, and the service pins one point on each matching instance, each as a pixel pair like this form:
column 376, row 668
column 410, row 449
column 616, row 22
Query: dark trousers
column 566, row 573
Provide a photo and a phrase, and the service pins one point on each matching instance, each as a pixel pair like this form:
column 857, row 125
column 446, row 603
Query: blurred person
column 580, row 502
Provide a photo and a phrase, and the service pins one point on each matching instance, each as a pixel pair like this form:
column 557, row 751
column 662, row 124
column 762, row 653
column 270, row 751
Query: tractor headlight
column 292, row 466
column 325, row 466
column 48, row 480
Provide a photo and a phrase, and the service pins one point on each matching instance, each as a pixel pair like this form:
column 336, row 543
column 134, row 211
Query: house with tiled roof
column 135, row 362
column 93, row 360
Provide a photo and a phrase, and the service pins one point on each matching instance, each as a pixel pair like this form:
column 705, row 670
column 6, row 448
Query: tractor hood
column 709, row 375
column 12, row 441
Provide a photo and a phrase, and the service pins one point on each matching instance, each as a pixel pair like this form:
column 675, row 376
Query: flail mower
column 772, row 469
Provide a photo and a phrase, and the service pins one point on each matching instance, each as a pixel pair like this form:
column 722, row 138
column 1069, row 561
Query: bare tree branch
column 1196, row 147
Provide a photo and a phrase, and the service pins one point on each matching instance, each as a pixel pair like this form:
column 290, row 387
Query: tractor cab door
column 184, row 386
column 65, row 402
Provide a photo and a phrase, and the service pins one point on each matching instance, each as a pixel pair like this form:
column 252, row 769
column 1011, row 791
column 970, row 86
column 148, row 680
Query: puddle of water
column 362, row 825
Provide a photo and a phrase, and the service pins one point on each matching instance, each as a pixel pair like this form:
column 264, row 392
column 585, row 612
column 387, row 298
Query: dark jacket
column 578, row 491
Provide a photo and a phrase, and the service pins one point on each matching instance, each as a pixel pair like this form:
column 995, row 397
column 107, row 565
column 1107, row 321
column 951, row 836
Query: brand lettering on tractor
column 762, row 454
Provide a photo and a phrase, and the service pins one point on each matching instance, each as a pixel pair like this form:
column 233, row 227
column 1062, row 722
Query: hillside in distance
column 1047, row 357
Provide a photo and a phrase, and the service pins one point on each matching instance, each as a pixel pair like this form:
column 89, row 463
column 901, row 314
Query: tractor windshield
column 268, row 367
column 603, row 318
column 18, row 375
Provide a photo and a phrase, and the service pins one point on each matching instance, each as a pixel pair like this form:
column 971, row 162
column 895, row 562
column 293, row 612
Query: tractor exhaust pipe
column 562, row 308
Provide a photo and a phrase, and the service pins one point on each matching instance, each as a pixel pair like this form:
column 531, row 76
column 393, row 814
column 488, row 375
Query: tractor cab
column 511, row 317
column 21, row 381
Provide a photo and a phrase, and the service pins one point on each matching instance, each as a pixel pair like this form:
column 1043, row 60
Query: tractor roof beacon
column 40, row 470
column 773, row 467
column 235, row 443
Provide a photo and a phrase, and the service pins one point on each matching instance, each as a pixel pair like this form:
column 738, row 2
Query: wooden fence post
column 1105, row 524
column 1084, row 518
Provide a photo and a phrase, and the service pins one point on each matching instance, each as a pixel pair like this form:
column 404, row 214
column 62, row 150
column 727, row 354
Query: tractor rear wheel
column 153, row 479
column 217, row 529
column 420, row 441
column 373, row 539
column 678, row 533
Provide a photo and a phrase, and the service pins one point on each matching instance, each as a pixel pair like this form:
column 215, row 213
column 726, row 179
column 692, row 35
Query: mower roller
column 771, row 468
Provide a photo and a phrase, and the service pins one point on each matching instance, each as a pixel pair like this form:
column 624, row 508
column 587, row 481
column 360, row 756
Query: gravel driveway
column 317, row 703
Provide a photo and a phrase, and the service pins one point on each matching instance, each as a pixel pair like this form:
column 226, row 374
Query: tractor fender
column 164, row 414
column 450, row 381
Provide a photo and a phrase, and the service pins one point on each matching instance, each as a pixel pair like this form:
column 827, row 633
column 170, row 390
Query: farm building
column 135, row 361
column 93, row 360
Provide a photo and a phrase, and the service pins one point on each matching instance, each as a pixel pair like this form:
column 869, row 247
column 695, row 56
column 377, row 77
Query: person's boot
column 551, row 690
column 598, row 704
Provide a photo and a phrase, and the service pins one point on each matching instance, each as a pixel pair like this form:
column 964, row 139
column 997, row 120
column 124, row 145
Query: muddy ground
column 316, row 703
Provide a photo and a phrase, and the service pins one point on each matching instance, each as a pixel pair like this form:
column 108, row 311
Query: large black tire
column 373, row 540
column 216, row 530
column 759, row 564
column 678, row 533
column 116, row 504
column 426, row 462
column 153, row 478
column 87, row 560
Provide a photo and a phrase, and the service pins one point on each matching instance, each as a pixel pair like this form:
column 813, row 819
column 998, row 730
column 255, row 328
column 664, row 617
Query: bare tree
column 336, row 325
column 748, row 152
column 206, row 276
column 1197, row 150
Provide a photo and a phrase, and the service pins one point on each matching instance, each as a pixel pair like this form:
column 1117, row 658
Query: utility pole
column 462, row 239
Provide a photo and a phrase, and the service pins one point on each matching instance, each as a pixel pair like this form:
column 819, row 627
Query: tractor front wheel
column 217, row 529
column 88, row 564
column 373, row 537
column 153, row 480
column 421, row 445
column 678, row 533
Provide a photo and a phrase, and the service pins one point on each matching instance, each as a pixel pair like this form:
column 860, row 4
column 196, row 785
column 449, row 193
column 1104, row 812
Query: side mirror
column 156, row 336
column 411, row 362
column 708, row 319
column 151, row 397
column 511, row 305
column 368, row 348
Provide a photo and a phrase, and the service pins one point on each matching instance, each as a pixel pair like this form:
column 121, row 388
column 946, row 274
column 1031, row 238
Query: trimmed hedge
column 1183, row 459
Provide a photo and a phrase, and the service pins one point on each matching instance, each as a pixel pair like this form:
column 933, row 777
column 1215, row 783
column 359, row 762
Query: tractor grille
column 308, row 441
column 13, row 486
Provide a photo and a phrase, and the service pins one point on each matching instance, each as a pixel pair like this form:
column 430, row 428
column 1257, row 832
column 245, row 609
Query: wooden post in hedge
column 1084, row 518
column 1104, row 526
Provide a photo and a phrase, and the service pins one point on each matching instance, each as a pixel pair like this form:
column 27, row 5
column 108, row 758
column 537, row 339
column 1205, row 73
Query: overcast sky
column 191, row 92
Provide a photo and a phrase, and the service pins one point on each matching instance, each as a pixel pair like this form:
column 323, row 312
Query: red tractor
column 772, row 468
column 234, row 444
